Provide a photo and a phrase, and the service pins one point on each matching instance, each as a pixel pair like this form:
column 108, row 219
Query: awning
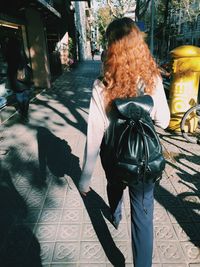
column 16, row 8
column 49, row 7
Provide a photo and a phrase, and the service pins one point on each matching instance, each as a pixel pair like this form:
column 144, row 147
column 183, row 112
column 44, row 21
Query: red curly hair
column 127, row 61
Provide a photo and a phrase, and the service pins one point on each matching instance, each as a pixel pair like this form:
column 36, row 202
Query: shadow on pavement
column 56, row 154
column 18, row 245
column 96, row 208
column 184, row 207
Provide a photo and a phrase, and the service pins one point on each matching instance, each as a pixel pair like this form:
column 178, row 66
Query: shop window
column 6, row 31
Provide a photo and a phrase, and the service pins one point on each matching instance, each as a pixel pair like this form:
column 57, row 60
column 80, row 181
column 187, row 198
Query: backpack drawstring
column 145, row 166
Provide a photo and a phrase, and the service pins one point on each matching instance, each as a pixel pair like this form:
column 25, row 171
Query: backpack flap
column 133, row 107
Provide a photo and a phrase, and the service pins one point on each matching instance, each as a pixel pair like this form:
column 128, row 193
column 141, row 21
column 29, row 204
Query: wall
column 38, row 49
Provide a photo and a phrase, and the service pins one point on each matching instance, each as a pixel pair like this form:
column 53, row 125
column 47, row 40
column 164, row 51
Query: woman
column 127, row 65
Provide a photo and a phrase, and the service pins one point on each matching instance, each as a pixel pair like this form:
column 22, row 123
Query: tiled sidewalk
column 75, row 233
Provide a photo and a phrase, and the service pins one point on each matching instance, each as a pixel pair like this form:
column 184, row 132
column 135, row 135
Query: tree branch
column 112, row 8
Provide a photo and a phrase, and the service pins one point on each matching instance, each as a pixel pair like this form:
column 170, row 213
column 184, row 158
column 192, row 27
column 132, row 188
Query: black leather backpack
column 131, row 150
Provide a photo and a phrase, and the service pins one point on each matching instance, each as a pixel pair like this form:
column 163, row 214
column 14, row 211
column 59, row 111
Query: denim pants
column 141, row 197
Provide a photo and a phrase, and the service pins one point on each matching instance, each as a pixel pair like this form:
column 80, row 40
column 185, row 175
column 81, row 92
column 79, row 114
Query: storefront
column 26, row 20
column 7, row 30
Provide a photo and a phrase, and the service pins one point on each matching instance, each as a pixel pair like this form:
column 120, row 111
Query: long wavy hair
column 127, row 61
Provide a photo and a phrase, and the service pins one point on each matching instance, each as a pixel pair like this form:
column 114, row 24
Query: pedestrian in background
column 18, row 66
column 93, row 53
column 128, row 61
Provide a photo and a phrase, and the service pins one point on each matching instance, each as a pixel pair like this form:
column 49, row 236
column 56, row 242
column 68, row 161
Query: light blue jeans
column 141, row 199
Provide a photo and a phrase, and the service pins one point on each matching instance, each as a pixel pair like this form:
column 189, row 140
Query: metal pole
column 152, row 26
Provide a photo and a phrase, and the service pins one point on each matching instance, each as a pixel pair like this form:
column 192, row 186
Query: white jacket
column 98, row 122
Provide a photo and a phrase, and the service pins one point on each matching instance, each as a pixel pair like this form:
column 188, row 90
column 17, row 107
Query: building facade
column 48, row 29
column 83, row 17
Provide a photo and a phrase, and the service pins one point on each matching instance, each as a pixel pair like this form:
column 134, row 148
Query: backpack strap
column 101, row 108
column 140, row 87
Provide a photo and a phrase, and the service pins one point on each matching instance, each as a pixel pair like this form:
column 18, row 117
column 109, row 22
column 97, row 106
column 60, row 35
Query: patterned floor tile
column 121, row 233
column 88, row 232
column 192, row 252
column 23, row 190
column 53, row 203
column 164, row 232
column 33, row 215
column 50, row 216
column 66, row 252
column 156, row 257
column 170, row 252
column 68, row 232
column 55, row 191
column 161, row 216
column 35, row 199
column 46, row 252
column 186, row 231
column 71, row 216
column 72, row 202
column 91, row 252
column 126, row 249
column 46, row 232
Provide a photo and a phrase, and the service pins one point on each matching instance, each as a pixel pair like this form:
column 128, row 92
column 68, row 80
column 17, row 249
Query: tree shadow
column 80, row 123
column 18, row 245
column 184, row 206
column 56, row 154
column 172, row 137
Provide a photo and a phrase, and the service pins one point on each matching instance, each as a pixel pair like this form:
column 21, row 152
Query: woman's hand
column 83, row 193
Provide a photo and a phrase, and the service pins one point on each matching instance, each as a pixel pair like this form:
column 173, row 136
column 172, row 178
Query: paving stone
column 186, row 231
column 91, row 252
column 161, row 215
column 192, row 252
column 126, row 249
column 72, row 202
column 121, row 234
column 65, row 252
column 53, row 203
column 46, row 252
column 68, row 232
column 170, row 252
column 88, row 232
column 71, row 216
column 156, row 257
column 50, row 216
column 164, row 231
column 33, row 215
column 46, row 232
